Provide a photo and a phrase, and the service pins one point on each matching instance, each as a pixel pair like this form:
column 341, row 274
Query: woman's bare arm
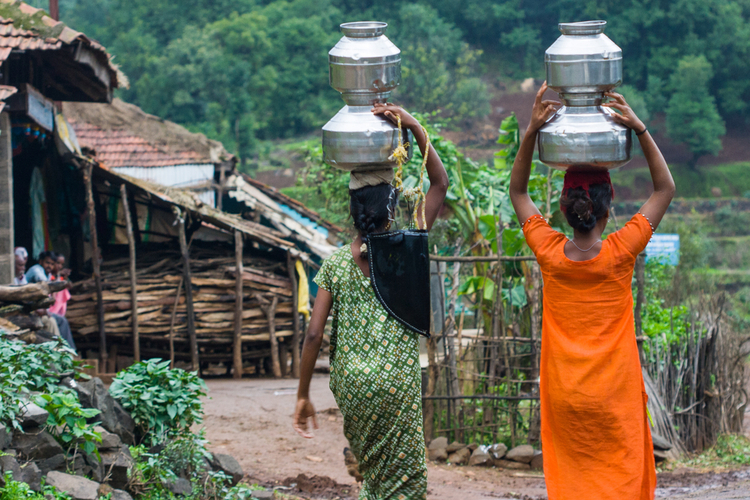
column 305, row 409
column 658, row 203
column 519, row 177
column 435, row 169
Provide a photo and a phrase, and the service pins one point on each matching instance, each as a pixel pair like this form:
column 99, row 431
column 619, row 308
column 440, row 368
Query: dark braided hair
column 371, row 207
column 584, row 210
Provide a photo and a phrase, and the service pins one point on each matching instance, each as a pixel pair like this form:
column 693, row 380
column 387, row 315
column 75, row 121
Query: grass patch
column 733, row 179
column 730, row 451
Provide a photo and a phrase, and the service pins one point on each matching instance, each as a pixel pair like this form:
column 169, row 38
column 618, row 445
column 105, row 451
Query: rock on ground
column 523, row 454
column 510, row 464
column 537, row 463
column 116, row 465
column 228, row 465
column 6, row 436
column 77, row 487
column 113, row 416
column 438, row 443
column 110, row 440
column 180, row 487
column 437, row 455
column 121, row 495
column 454, row 447
column 498, row 451
column 31, row 475
column 264, row 494
column 481, row 457
column 660, row 443
column 53, row 463
column 35, row 445
column 461, row 457
column 9, row 465
column 33, row 416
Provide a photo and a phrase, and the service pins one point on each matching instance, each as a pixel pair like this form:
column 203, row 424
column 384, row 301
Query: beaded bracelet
column 536, row 216
column 649, row 222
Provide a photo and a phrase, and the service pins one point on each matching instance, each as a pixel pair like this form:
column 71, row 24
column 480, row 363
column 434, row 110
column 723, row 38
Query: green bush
column 162, row 401
column 184, row 456
column 26, row 368
column 13, row 490
column 67, row 421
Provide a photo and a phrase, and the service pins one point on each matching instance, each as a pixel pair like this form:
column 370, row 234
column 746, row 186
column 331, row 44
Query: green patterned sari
column 376, row 380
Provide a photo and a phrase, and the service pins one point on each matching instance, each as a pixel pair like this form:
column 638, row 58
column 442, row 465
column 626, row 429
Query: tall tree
column 692, row 116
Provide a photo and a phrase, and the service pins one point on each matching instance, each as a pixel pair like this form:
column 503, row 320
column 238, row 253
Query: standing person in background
column 22, row 256
column 60, row 307
column 44, row 271
column 375, row 372
column 595, row 433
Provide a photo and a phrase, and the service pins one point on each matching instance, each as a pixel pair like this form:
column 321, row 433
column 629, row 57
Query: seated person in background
column 62, row 297
column 44, row 272
column 21, row 257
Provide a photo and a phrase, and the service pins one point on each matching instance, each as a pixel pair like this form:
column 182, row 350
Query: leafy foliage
column 14, row 490
column 730, row 450
column 28, row 368
column 692, row 116
column 184, row 456
column 67, row 421
column 161, row 400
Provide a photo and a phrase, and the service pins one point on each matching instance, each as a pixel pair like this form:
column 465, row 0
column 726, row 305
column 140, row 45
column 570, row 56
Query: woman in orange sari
column 595, row 434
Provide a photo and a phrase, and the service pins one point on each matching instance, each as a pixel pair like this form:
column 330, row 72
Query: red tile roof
column 119, row 148
column 123, row 135
column 23, row 27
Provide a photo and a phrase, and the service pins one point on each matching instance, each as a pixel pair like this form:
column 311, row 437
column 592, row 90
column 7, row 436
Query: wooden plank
column 269, row 307
column 133, row 276
column 238, row 317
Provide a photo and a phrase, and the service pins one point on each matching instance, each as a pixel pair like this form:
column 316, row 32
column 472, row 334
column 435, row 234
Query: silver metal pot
column 581, row 66
column 365, row 66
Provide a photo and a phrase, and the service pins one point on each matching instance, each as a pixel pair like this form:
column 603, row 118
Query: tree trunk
column 188, row 294
column 95, row 256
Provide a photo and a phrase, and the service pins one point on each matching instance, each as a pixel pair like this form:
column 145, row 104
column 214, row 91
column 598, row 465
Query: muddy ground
column 251, row 420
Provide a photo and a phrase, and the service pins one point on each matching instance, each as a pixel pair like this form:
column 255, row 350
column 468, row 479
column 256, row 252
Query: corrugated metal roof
column 23, row 27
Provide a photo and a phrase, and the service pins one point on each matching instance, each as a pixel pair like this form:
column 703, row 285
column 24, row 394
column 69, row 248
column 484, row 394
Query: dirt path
column 251, row 420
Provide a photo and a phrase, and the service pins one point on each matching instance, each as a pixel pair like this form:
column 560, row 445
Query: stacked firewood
column 162, row 309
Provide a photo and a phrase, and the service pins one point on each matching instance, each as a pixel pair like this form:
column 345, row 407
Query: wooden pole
column 296, row 336
column 188, row 292
column 95, row 256
column 269, row 309
column 238, row 296
column 133, row 277
column 171, row 325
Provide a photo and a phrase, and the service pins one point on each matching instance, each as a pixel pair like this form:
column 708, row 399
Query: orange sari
column 595, row 434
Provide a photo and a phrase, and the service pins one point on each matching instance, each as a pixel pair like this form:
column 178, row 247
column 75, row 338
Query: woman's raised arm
column 664, row 188
column 435, row 169
column 519, row 177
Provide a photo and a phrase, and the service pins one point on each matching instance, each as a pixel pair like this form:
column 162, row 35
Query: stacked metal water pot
column 365, row 66
column 581, row 66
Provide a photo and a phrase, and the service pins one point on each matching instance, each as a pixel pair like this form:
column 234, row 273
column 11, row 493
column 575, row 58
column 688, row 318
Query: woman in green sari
column 375, row 370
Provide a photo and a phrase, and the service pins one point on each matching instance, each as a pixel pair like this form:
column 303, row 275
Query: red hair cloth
column 583, row 179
